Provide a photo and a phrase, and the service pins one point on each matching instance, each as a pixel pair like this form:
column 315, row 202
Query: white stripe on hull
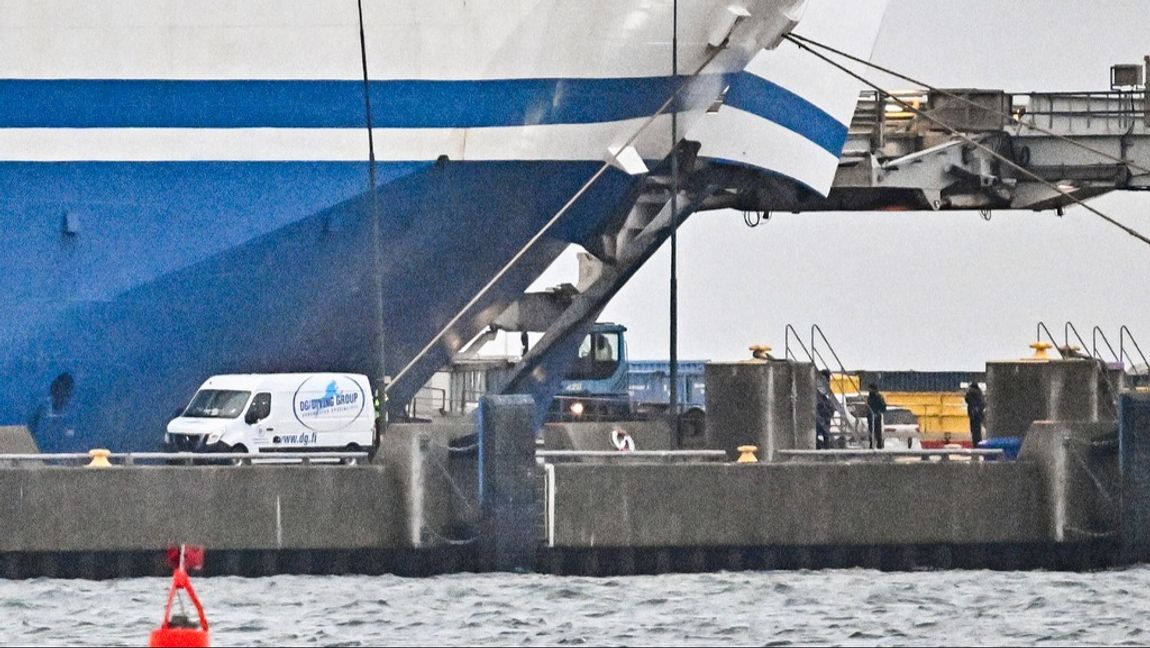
column 551, row 142
column 766, row 145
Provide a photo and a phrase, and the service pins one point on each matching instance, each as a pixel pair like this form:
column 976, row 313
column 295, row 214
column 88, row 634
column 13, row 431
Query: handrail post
column 1050, row 336
column 1125, row 332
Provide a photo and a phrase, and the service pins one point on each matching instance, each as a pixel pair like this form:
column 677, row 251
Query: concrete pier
column 458, row 498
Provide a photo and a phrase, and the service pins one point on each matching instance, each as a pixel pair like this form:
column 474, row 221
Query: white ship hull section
column 789, row 112
column 563, row 65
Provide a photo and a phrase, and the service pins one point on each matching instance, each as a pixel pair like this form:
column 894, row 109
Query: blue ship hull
column 131, row 283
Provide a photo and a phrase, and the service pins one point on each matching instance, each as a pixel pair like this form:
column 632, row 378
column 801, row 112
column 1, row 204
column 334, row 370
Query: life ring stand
column 622, row 440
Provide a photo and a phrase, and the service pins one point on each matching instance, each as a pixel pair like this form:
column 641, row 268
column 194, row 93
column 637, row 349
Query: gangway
column 1085, row 144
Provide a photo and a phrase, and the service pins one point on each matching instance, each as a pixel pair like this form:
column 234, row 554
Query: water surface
column 850, row 607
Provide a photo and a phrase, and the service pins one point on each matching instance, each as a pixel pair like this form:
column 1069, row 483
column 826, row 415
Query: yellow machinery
column 941, row 415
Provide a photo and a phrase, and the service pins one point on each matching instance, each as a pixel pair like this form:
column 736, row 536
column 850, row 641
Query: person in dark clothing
column 976, row 410
column 876, row 405
column 824, row 412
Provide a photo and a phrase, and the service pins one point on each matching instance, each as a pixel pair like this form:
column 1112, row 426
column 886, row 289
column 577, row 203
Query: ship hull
column 187, row 191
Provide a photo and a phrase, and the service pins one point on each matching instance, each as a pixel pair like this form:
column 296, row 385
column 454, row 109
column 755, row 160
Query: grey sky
column 920, row 290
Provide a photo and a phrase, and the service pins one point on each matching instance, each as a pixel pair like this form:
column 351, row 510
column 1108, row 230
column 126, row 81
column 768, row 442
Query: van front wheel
column 352, row 447
column 239, row 449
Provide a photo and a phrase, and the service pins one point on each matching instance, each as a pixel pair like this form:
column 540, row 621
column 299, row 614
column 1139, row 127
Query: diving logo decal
column 328, row 403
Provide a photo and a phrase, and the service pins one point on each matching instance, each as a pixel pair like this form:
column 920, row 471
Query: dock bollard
column 747, row 454
column 99, row 458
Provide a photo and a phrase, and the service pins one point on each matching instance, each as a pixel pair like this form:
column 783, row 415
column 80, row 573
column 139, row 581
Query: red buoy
column 178, row 630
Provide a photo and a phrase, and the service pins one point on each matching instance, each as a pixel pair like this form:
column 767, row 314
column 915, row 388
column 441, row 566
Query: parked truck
column 604, row 384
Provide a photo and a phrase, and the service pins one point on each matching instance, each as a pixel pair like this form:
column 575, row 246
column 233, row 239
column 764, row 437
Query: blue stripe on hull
column 772, row 102
column 115, row 103
column 294, row 296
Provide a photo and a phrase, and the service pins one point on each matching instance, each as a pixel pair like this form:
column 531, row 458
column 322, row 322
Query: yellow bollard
column 748, row 454
column 99, row 458
column 1040, row 351
column 761, row 352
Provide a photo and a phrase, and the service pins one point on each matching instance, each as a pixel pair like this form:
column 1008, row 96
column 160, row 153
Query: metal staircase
column 843, row 424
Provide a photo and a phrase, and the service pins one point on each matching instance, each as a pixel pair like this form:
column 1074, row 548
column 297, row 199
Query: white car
column 901, row 430
column 900, row 426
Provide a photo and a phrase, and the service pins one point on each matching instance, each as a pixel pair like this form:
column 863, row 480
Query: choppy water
column 854, row 607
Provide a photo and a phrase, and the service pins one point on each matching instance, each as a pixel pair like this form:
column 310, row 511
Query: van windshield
column 217, row 403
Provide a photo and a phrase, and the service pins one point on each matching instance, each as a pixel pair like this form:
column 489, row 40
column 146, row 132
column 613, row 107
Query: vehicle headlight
column 214, row 437
column 577, row 409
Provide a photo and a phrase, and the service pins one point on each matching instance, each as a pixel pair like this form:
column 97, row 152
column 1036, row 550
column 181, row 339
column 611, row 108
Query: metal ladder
column 843, row 421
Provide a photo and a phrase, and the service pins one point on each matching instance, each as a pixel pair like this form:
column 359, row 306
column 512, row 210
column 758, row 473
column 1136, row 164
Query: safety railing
column 787, row 335
column 438, row 395
column 1116, row 110
column 1068, row 349
column 1097, row 335
column 129, row 459
column 845, row 420
column 888, row 456
column 841, row 406
column 634, row 456
column 1092, row 352
column 1124, row 334
column 1042, row 328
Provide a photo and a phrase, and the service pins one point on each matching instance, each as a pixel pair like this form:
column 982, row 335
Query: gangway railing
column 1124, row 334
column 1090, row 351
column 846, row 420
column 790, row 330
column 438, row 395
column 1042, row 328
column 1099, row 335
column 1068, row 349
column 1096, row 355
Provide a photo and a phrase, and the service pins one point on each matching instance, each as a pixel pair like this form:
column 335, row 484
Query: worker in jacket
column 976, row 410
column 876, row 406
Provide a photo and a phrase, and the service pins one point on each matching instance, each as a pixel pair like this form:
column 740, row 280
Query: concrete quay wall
column 47, row 509
column 730, row 505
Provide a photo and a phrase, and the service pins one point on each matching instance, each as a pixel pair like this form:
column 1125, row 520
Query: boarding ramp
column 1032, row 151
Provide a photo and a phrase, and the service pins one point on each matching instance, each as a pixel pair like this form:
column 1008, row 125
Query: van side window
column 261, row 407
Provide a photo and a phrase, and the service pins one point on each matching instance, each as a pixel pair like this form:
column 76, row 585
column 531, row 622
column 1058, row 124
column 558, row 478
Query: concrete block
column 510, row 506
column 648, row 435
column 1079, row 476
column 15, row 439
column 769, row 404
column 437, row 490
column 1022, row 392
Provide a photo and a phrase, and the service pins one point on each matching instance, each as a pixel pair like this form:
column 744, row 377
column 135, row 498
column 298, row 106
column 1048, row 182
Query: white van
column 277, row 413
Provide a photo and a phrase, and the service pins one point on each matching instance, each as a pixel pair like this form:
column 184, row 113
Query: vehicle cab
column 596, row 386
